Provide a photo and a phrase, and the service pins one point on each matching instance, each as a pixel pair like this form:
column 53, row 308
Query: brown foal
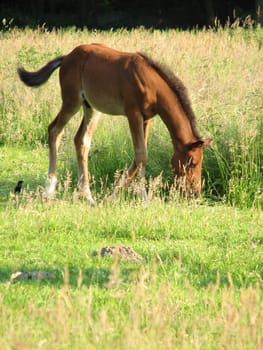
column 105, row 80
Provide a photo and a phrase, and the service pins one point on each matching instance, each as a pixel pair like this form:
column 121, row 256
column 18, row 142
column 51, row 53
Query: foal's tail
column 41, row 76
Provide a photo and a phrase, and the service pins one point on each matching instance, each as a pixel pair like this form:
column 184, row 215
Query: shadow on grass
column 200, row 276
column 71, row 276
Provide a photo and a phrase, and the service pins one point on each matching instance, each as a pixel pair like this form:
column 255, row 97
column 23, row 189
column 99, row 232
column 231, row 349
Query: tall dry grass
column 222, row 70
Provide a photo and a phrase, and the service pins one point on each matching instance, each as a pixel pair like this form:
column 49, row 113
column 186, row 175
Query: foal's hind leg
column 82, row 143
column 55, row 131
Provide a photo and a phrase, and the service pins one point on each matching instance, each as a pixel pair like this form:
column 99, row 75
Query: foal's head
column 187, row 164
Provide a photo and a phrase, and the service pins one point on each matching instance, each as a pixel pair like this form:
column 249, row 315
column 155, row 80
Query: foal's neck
column 175, row 119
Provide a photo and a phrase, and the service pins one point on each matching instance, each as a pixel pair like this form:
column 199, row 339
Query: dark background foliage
column 105, row 14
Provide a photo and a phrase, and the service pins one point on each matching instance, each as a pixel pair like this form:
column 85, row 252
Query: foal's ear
column 200, row 143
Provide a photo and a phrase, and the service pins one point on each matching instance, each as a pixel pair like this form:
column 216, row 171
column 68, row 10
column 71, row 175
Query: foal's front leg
column 129, row 175
column 139, row 132
column 82, row 143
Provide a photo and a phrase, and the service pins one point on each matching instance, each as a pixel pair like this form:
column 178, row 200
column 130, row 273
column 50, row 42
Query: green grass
column 199, row 286
column 200, row 283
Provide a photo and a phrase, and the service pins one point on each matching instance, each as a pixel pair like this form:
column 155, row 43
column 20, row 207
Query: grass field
column 200, row 283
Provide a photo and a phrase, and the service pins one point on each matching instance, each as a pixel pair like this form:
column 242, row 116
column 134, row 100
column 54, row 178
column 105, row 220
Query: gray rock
column 121, row 251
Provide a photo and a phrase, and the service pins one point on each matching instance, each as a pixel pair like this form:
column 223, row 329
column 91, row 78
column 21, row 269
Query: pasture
column 200, row 283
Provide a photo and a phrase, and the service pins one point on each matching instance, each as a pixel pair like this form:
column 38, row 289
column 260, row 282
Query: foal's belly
column 107, row 105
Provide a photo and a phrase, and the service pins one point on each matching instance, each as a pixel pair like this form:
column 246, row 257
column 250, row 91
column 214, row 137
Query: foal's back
column 110, row 81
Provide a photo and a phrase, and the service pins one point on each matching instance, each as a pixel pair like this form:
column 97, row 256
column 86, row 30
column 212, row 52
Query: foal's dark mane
column 178, row 88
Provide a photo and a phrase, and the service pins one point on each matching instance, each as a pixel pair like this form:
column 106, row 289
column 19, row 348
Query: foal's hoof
column 145, row 203
column 86, row 194
column 50, row 187
column 91, row 202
